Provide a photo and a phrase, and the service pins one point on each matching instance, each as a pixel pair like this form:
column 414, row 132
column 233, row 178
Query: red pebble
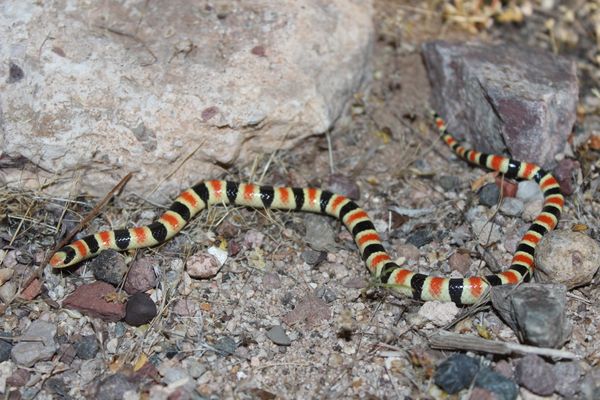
column 507, row 187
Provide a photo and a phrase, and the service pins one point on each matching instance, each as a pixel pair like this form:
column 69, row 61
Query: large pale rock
column 105, row 88
column 504, row 97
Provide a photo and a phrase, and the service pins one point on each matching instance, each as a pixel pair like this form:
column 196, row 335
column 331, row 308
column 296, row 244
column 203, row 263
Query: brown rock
column 96, row 299
column 32, row 290
column 566, row 173
column 460, row 261
column 141, row 276
column 202, row 265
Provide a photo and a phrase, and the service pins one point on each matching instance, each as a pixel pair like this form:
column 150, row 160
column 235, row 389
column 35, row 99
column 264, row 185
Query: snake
column 385, row 271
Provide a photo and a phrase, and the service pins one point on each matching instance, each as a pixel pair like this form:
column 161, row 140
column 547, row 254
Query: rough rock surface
column 37, row 344
column 504, row 97
column 98, row 299
column 109, row 88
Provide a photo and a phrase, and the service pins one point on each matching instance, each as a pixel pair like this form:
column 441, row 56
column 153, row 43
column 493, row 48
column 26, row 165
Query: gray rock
column 278, row 336
column 320, row 234
column 8, row 291
column 529, row 191
column 591, row 385
column 568, row 376
column 511, row 206
column 5, row 347
column 313, row 257
column 113, row 387
column 502, row 387
column 489, row 195
column 87, row 347
column 567, row 257
column 226, row 345
column 420, row 236
column 109, row 266
column 449, row 182
column 536, row 375
column 536, row 312
column 456, row 373
column 503, row 96
column 37, row 344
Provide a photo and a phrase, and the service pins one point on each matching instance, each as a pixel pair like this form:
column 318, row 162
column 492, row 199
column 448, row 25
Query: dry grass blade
column 455, row 341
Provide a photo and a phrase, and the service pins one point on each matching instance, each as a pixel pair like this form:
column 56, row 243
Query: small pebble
column 5, row 275
column 19, row 378
column 536, row 375
column 512, row 207
column 28, row 352
column 109, row 266
column 567, row 257
column 531, row 210
column 227, row 230
column 566, row 173
column 186, row 308
column 326, row 294
column 408, row 251
column 202, row 265
column 278, row 336
column 568, row 375
column 529, row 191
column 253, row 239
column 344, row 185
column 508, row 187
column 271, row 280
column 420, row 236
column 87, row 347
column 460, row 261
column 320, row 235
column 8, row 292
column 140, row 309
column 536, row 312
column 496, row 383
column 456, row 373
column 449, row 182
column 590, row 386
column 226, row 345
column 113, row 387
column 439, row 313
column 141, row 276
column 313, row 257
column 489, row 195
column 5, row 347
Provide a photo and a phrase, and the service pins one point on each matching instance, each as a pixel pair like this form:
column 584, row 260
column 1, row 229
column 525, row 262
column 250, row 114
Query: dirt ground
column 349, row 338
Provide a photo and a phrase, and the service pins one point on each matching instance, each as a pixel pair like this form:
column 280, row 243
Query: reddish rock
column 141, row 276
column 32, row 290
column 98, row 299
column 566, row 174
column 460, row 261
column 507, row 187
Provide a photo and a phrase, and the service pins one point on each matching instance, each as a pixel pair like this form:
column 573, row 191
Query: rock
column 408, row 251
column 310, row 309
column 508, row 188
column 344, row 185
column 420, row 236
column 439, row 313
column 186, row 308
column 536, row 375
column 253, row 239
column 32, row 290
column 8, row 292
column 591, row 384
column 226, row 345
column 37, row 344
column 313, row 257
column 528, row 191
column 449, row 182
column 19, row 378
column 502, row 387
column 531, row 210
column 503, row 96
column 109, row 266
column 140, row 309
column 456, row 373
column 568, row 375
column 113, row 387
column 202, row 265
column 271, row 280
column 489, row 195
column 512, row 207
column 141, row 276
column 98, row 299
column 486, row 231
column 5, row 275
column 460, row 261
column 566, row 173
column 320, row 235
column 6, row 370
column 570, row 258
column 181, row 76
column 5, row 347
column 278, row 336
column 536, row 312
column 219, row 254
column 327, row 294
column 227, row 230
column 87, row 347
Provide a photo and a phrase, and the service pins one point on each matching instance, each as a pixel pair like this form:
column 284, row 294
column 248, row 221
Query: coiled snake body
column 356, row 220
